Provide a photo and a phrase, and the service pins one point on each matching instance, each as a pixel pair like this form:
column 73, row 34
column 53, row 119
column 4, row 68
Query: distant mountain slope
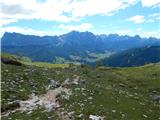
column 134, row 57
column 74, row 46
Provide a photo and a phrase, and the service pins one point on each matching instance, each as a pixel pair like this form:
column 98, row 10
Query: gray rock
column 156, row 98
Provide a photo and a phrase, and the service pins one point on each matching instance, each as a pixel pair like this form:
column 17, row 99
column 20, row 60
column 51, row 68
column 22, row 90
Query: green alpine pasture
column 113, row 93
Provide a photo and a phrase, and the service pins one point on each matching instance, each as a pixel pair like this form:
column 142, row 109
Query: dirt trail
column 49, row 101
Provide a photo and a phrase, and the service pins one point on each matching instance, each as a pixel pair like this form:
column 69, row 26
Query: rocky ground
column 80, row 93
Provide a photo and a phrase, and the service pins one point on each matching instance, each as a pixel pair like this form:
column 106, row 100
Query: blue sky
column 55, row 17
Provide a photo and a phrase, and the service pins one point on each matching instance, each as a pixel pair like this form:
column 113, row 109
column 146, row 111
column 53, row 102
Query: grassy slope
column 128, row 91
column 117, row 93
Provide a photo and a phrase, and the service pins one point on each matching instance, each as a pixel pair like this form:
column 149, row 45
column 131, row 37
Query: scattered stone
column 6, row 70
column 94, row 117
column 53, row 84
column 154, row 92
column 90, row 98
column 123, row 115
column 136, row 88
column 82, row 81
column 133, row 108
column 48, row 100
column 145, row 116
column 80, row 115
column 66, row 82
column 156, row 98
column 113, row 111
column 130, row 95
column 65, row 96
column 77, row 89
column 98, row 76
column 71, row 113
column 75, row 81
column 121, row 85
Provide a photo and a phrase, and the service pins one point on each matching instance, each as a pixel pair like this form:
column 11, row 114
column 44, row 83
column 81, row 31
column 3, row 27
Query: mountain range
column 82, row 47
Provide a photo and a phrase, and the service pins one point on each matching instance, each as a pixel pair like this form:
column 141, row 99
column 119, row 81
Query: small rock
column 93, row 117
column 145, row 116
column 98, row 76
column 81, row 115
column 113, row 111
column 156, row 98
column 122, row 85
column 90, row 98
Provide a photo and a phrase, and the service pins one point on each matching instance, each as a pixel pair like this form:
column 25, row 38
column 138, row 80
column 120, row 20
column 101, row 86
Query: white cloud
column 137, row 19
column 18, row 9
column 93, row 7
column 60, row 10
column 151, row 34
column 31, row 9
column 138, row 31
column 23, row 30
column 150, row 3
column 6, row 21
column 155, row 16
column 81, row 27
column 27, row 31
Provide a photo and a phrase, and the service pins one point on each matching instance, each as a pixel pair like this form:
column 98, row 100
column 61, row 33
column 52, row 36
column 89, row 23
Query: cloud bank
column 59, row 10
